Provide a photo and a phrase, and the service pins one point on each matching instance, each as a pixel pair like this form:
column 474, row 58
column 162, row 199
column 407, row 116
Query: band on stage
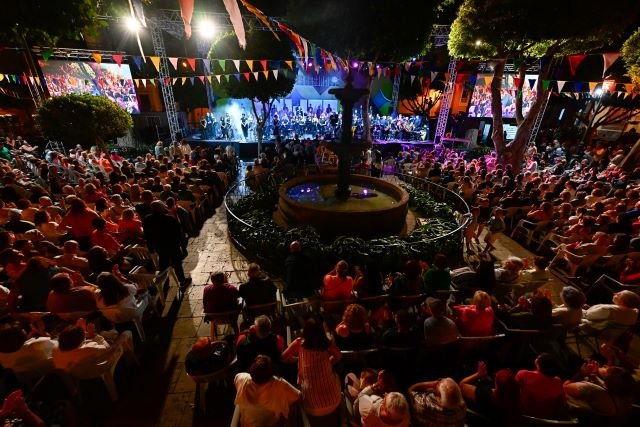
column 287, row 123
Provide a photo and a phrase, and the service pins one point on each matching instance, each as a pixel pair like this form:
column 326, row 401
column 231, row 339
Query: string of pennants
column 211, row 78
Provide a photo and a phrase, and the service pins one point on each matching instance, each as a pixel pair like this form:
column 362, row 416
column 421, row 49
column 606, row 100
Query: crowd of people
column 435, row 344
column 73, row 227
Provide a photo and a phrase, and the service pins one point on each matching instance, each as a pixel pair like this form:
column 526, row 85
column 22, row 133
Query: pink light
column 378, row 66
column 310, row 63
column 355, row 64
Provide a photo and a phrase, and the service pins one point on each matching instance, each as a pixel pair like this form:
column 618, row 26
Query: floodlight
column 132, row 24
column 598, row 92
column 207, row 30
column 478, row 43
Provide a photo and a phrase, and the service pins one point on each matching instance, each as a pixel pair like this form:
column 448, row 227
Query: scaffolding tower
column 445, row 102
column 395, row 94
column 538, row 122
column 165, row 79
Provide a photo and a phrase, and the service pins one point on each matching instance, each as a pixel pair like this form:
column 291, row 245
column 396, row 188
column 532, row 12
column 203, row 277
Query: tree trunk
column 366, row 124
column 497, row 134
column 521, row 74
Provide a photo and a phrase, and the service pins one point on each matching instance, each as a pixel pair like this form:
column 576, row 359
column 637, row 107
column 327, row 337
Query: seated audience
column 259, row 339
column 220, row 295
column 439, row 330
column 475, row 320
column 438, row 403
column 541, row 392
column 337, row 284
column 353, row 332
column 259, row 289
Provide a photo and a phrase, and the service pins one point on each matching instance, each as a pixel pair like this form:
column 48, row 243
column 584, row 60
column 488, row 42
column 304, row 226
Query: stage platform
column 249, row 150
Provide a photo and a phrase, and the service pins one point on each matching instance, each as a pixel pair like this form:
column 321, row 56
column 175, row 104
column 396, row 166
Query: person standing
column 164, row 236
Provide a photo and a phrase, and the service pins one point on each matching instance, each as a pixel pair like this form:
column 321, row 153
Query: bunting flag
column 236, row 20
column 155, row 60
column 192, row 63
column 144, row 82
column 305, row 48
column 202, row 79
column 207, row 66
column 487, row 80
column 516, row 82
column 545, row 84
column 275, row 74
column 186, row 12
column 561, row 84
column 97, row 57
column 221, row 62
column 332, row 61
column 574, row 62
column 255, row 75
column 46, row 54
column 263, row 62
column 218, row 78
column 609, row 59
column 247, row 76
column 592, row 86
column 174, row 62
column 412, row 79
column 192, row 80
column 184, row 80
column 628, row 87
column 250, row 64
column 138, row 61
column 261, row 16
column 577, row 86
column 289, row 64
column 407, row 65
column 117, row 58
column 533, row 83
column 236, row 62
column 434, row 74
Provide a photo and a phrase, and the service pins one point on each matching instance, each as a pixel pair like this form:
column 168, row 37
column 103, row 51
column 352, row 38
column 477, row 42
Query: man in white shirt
column 623, row 311
column 390, row 410
column 27, row 357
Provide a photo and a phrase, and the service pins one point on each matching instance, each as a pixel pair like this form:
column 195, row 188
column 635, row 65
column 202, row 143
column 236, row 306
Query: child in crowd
column 495, row 226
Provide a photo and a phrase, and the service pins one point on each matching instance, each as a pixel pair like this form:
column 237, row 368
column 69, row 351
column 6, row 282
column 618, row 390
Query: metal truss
column 445, row 102
column 163, row 72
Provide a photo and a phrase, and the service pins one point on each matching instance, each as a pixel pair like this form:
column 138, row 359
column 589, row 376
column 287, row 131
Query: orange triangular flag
column 155, row 60
column 592, row 86
column 266, row 74
column 249, row 64
column 97, row 57
column 289, row 64
column 192, row 63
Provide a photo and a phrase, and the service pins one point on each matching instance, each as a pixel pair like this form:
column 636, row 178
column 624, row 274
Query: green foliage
column 82, row 119
column 376, row 30
column 510, row 28
column 46, row 22
column 260, row 45
column 631, row 54
column 265, row 239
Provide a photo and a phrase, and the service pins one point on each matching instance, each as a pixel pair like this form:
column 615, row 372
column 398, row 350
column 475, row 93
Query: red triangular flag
column 516, row 82
column 246, row 76
column 263, row 62
column 117, row 58
column 192, row 63
column 574, row 62
column 609, row 59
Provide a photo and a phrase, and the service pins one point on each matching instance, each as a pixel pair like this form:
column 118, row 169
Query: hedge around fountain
column 261, row 238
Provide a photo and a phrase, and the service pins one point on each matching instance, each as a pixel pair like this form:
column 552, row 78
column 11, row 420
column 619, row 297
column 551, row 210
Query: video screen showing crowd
column 326, row 123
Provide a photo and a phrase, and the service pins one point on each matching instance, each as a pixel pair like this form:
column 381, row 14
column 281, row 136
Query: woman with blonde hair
column 475, row 320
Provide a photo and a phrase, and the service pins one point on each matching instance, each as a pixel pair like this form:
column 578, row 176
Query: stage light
column 478, row 43
column 378, row 66
column 598, row 92
column 310, row 64
column 184, row 63
column 355, row 64
column 413, row 59
column 132, row 24
column 207, row 30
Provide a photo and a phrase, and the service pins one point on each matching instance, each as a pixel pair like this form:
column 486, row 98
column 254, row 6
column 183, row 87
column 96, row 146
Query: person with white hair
column 438, row 403
column 387, row 411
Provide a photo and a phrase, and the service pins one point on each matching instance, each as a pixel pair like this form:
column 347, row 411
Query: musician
column 276, row 126
column 244, row 125
column 225, row 127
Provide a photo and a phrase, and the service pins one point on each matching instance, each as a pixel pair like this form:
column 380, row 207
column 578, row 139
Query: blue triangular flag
column 207, row 66
column 472, row 80
column 577, row 86
column 532, row 83
column 138, row 61
column 192, row 79
column 237, row 76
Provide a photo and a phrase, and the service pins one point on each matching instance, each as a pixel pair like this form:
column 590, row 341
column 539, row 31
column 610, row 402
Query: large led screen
column 480, row 105
column 108, row 80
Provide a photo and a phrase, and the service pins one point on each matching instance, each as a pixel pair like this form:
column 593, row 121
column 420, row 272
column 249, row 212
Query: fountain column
column 348, row 96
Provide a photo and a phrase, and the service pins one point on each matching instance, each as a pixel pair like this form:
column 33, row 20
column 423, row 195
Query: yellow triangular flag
column 209, row 78
column 155, row 60
column 184, row 79
column 1, row 77
column 592, row 86
column 289, row 64
column 97, row 57
column 250, row 64
column 266, row 74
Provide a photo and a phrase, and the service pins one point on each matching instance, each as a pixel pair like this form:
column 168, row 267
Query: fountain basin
column 376, row 208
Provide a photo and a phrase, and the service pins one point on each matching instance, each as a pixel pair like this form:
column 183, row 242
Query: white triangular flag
column 144, row 82
column 407, row 65
column 561, row 84
column 255, row 75
column 434, row 74
column 218, row 77
column 236, row 62
column 174, row 62
column 412, row 79
column 275, row 73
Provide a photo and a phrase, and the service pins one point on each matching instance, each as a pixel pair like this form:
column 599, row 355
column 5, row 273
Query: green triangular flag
column 47, row 54
column 221, row 62
column 517, row 62
column 545, row 84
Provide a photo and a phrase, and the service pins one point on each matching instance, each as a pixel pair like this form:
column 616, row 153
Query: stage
column 249, row 150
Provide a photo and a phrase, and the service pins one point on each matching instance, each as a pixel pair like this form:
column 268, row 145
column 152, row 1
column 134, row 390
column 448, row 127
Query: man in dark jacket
column 164, row 235
column 298, row 273
column 259, row 289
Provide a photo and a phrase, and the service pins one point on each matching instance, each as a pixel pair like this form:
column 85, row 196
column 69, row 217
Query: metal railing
column 268, row 181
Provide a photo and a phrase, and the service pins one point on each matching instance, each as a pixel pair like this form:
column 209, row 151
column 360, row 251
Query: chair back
column 533, row 421
column 268, row 309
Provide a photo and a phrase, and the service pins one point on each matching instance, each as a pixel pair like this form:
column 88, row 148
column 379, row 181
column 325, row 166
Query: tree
column 369, row 30
column 81, row 119
column 631, row 54
column 420, row 99
column 508, row 29
column 262, row 45
column 607, row 110
column 45, row 23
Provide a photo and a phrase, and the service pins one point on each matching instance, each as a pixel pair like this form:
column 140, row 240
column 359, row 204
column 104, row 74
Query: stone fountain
column 345, row 204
